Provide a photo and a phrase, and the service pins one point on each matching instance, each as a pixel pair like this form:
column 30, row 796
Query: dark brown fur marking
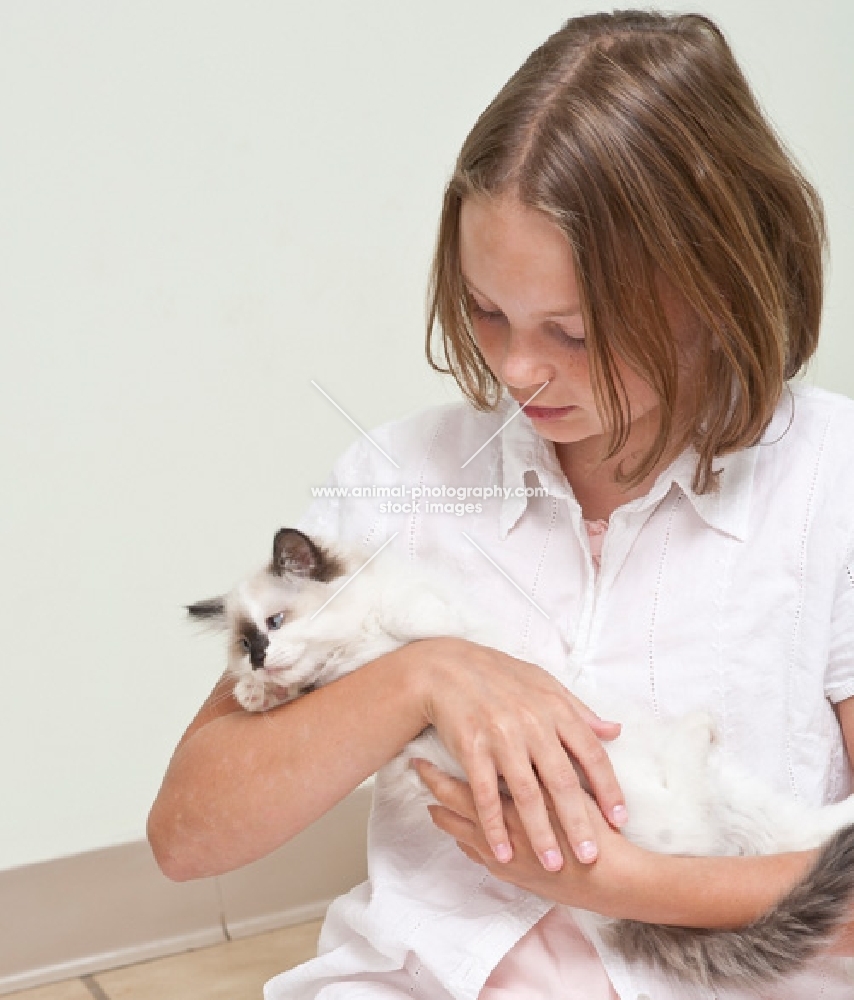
column 212, row 607
column 258, row 641
column 295, row 552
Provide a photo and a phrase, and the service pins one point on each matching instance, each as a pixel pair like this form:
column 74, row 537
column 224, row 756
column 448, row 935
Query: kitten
column 319, row 611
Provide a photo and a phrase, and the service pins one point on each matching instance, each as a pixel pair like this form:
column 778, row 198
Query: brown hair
column 637, row 134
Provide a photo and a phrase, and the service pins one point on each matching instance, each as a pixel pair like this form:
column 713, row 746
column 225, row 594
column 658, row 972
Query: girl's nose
column 523, row 365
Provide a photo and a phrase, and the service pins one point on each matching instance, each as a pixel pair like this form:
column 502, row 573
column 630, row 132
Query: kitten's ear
column 294, row 552
column 211, row 610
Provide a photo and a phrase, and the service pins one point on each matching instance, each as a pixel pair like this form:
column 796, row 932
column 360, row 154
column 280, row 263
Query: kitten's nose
column 258, row 650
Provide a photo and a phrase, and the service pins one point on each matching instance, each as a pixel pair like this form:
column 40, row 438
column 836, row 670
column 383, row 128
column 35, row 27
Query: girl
column 627, row 277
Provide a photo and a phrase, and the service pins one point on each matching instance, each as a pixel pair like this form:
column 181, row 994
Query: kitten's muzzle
column 258, row 650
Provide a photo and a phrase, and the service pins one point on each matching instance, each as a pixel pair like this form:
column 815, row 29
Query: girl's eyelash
column 494, row 317
column 573, row 341
column 481, row 313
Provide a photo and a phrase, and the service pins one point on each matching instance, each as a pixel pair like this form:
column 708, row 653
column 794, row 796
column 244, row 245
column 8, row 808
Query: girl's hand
column 500, row 716
column 627, row 881
column 600, row 887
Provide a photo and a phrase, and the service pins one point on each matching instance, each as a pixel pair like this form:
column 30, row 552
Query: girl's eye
column 479, row 312
column 246, row 644
column 571, row 337
column 275, row 621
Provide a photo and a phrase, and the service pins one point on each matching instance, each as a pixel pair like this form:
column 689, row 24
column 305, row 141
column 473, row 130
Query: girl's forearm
column 715, row 892
column 240, row 785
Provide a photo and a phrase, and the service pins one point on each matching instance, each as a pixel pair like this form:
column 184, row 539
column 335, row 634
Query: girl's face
column 526, row 317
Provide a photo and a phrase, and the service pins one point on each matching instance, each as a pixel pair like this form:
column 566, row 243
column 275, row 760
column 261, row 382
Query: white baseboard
column 250, row 926
column 99, row 962
column 81, row 915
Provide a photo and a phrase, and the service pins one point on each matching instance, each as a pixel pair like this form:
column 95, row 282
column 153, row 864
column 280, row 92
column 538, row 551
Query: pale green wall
column 204, row 205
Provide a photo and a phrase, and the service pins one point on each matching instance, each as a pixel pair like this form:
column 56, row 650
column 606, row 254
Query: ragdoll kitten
column 319, row 611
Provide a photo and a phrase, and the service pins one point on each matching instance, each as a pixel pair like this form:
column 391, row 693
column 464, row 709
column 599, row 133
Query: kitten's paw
column 249, row 693
column 274, row 696
column 255, row 696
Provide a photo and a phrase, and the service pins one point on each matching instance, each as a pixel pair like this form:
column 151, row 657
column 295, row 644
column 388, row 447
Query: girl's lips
column 547, row 412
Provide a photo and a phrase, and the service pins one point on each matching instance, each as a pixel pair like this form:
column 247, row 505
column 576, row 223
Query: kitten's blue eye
column 246, row 644
column 275, row 621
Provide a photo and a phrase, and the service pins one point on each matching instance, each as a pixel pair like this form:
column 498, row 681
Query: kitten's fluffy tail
column 775, row 946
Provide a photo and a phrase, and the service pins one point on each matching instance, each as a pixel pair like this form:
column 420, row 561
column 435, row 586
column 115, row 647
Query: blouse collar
column 725, row 509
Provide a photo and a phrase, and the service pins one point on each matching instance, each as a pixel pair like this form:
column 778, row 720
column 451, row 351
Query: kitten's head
column 258, row 611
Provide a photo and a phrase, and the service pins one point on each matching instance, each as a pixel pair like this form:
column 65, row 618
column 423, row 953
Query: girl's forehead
column 510, row 249
column 486, row 221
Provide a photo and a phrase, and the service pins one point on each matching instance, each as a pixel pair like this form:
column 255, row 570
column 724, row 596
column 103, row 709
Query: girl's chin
column 573, row 426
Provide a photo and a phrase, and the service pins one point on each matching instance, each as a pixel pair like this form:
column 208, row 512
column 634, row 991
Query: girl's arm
column 241, row 784
column 630, row 882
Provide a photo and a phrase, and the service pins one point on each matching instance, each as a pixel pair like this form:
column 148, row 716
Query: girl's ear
column 211, row 610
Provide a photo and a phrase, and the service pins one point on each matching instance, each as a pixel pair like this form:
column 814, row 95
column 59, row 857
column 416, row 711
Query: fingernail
column 503, row 852
column 552, row 860
column 587, row 851
column 620, row 815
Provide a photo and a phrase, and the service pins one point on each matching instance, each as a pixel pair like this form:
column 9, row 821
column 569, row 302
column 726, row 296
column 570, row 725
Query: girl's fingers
column 471, row 853
column 461, row 829
column 537, row 767
column 559, row 778
column 604, row 730
column 450, row 792
column 527, row 794
column 489, row 807
column 478, row 801
column 464, row 831
column 588, row 752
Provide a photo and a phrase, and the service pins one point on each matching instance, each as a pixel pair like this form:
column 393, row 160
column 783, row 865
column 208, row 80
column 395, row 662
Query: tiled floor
column 235, row 970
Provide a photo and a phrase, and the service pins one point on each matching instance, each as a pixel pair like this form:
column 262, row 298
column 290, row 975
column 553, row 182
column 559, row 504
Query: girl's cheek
column 489, row 343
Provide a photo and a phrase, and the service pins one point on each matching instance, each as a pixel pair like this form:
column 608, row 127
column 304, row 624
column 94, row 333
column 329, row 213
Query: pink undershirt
column 554, row 959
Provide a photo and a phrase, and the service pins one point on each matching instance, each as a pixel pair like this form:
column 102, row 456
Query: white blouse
column 740, row 602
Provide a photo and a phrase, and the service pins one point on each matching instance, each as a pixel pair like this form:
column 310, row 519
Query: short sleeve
column 839, row 678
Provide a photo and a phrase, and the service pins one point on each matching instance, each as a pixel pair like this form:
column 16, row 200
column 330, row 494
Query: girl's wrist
column 428, row 671
column 633, row 879
column 645, row 889
column 616, row 885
